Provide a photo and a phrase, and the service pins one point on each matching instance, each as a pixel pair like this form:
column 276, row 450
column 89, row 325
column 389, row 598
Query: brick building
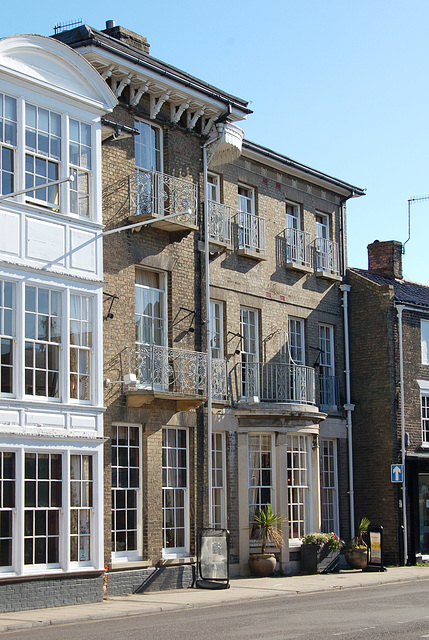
column 51, row 272
column 389, row 336
column 264, row 282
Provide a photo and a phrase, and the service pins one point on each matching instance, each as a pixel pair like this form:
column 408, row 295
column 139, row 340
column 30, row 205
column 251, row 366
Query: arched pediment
column 43, row 61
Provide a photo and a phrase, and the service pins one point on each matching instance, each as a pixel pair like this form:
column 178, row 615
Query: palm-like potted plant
column 356, row 552
column 265, row 527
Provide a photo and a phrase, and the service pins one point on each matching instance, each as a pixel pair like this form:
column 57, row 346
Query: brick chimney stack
column 385, row 258
column 130, row 37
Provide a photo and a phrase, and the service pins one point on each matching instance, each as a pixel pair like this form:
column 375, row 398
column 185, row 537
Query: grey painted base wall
column 147, row 580
column 50, row 592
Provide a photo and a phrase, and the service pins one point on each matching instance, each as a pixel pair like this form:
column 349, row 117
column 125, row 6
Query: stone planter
column 262, row 565
column 356, row 558
column 315, row 559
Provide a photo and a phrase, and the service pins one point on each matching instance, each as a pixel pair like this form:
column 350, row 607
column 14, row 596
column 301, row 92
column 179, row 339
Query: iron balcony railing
column 219, row 222
column 327, row 256
column 298, row 247
column 172, row 370
column 157, row 194
column 329, row 393
column 251, row 232
column 278, row 382
column 219, row 379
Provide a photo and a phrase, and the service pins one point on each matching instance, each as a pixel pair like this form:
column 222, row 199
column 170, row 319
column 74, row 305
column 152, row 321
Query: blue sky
column 340, row 86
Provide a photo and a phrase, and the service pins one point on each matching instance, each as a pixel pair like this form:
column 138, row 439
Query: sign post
column 397, row 472
column 213, row 559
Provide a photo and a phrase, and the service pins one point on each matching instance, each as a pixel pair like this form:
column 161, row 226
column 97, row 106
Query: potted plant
column 320, row 552
column 265, row 527
column 356, row 552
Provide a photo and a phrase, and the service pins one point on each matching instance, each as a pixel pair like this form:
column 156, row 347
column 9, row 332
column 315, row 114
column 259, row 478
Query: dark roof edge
column 281, row 159
column 87, row 36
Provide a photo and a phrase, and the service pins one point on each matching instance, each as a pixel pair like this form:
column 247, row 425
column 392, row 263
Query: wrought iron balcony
column 219, row 223
column 155, row 195
column 219, row 379
column 329, row 393
column 278, row 382
column 298, row 248
column 174, row 371
column 251, row 234
column 327, row 256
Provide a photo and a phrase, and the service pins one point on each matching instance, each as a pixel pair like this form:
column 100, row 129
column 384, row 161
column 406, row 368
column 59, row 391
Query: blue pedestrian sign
column 396, row 472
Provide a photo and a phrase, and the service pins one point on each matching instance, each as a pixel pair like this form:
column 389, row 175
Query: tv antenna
column 410, row 202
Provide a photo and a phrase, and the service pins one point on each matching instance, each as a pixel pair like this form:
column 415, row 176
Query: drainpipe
column 400, row 308
column 345, row 288
column 209, row 351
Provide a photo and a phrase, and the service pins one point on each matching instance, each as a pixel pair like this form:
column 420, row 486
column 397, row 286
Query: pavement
column 242, row 589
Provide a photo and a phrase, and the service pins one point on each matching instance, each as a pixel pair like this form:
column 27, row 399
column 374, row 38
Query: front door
column 424, row 513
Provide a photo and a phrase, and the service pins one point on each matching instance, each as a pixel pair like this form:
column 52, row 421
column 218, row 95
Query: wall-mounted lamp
column 112, row 298
column 130, row 380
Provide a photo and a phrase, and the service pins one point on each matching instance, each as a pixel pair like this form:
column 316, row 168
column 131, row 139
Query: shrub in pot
column 356, row 552
column 265, row 527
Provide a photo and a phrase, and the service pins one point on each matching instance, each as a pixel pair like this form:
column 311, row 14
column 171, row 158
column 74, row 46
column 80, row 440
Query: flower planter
column 356, row 558
column 315, row 559
column 262, row 565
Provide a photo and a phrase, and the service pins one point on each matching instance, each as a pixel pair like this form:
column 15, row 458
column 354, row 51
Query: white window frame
column 155, row 153
column 424, row 337
column 322, row 225
column 83, row 351
column 219, row 486
column 164, row 318
column 249, row 320
column 293, row 219
column 8, row 316
column 170, row 482
column 260, row 445
column 128, row 555
column 299, row 475
column 23, row 505
column 81, row 170
column 55, row 198
column 329, row 485
column 82, row 503
column 9, row 142
column 327, row 356
column 46, row 509
column 213, row 187
column 296, row 331
column 8, row 510
column 216, row 329
column 49, row 344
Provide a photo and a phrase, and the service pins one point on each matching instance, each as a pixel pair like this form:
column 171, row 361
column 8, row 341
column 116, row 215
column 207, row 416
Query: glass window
column 424, row 328
column 216, row 328
column 126, row 490
column 8, row 134
column 292, row 216
column 322, row 226
column 80, row 167
column 296, row 340
column 81, row 503
column 7, row 335
column 175, row 490
column 218, row 481
column 7, row 504
column 42, row 341
column 150, row 308
column 249, row 352
column 425, row 417
column 261, row 474
column 213, row 187
column 329, row 485
column 80, row 346
column 43, row 153
column 148, row 147
column 298, row 476
column 42, row 501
